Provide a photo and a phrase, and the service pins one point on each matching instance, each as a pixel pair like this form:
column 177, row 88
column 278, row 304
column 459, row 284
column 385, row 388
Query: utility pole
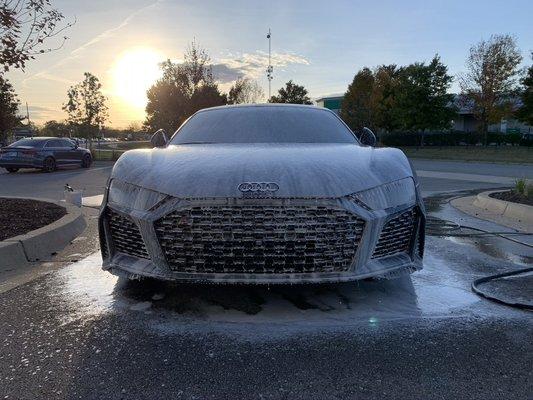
column 270, row 68
column 28, row 113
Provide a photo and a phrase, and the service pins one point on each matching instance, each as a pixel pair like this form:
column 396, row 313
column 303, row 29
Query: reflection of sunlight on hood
column 86, row 289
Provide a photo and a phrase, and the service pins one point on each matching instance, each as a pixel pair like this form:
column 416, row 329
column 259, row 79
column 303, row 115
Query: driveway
column 78, row 332
column 34, row 183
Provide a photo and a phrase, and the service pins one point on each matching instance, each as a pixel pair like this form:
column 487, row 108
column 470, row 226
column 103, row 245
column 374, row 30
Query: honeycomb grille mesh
column 259, row 239
column 396, row 235
column 125, row 235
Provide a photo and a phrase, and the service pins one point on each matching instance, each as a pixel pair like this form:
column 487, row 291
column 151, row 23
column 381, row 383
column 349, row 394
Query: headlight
column 390, row 195
column 132, row 196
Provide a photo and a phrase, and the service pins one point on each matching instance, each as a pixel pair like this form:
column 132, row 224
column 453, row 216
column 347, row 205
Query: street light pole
column 270, row 68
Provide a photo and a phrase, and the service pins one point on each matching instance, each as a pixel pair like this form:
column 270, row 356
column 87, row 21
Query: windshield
column 262, row 124
column 28, row 143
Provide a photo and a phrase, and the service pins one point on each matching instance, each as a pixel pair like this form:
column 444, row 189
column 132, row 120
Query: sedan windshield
column 264, row 124
column 35, row 143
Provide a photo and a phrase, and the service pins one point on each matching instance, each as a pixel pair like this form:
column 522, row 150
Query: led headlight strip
column 389, row 195
column 132, row 196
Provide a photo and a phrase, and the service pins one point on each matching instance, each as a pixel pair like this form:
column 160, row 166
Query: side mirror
column 159, row 139
column 367, row 137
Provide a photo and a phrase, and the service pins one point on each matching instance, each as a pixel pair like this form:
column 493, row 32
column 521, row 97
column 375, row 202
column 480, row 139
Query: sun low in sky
column 134, row 72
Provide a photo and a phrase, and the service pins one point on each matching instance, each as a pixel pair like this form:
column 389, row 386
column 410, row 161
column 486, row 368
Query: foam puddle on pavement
column 441, row 290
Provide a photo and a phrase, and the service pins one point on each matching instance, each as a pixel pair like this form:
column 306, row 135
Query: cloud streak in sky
column 253, row 65
column 78, row 52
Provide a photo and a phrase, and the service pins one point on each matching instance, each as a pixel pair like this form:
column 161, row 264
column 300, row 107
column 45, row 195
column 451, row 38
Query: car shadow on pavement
column 361, row 297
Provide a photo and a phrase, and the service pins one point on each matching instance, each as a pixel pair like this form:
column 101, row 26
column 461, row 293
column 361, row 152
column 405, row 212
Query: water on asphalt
column 440, row 291
column 79, row 332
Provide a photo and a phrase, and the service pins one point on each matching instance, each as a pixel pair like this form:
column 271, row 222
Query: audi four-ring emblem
column 258, row 187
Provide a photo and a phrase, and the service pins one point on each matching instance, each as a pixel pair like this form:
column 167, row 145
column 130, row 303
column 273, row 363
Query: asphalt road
column 34, row 183
column 78, row 332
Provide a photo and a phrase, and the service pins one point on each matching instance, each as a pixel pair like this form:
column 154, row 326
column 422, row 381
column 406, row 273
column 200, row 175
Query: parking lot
column 86, row 334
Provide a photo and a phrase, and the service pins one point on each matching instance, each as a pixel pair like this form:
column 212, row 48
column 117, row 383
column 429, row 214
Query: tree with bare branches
column 245, row 91
column 183, row 89
column 491, row 79
column 25, row 26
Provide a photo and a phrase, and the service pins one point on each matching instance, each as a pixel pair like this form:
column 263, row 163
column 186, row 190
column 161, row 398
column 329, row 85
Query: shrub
column 452, row 138
column 520, row 186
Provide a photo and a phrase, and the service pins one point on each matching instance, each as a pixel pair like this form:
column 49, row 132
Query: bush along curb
column 40, row 244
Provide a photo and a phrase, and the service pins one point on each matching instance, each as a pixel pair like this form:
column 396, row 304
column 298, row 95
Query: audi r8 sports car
column 262, row 194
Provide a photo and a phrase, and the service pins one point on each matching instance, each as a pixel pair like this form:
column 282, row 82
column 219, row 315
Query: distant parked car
column 46, row 153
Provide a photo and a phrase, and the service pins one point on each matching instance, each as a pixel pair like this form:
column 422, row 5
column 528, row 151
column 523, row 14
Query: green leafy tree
column 491, row 78
column 422, row 101
column 386, row 82
column 25, row 26
column 86, row 106
column 56, row 128
column 9, row 105
column 291, row 93
column 357, row 107
column 245, row 90
column 525, row 113
column 182, row 90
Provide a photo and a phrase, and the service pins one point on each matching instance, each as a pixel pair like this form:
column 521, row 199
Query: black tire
column 12, row 170
column 86, row 161
column 49, row 164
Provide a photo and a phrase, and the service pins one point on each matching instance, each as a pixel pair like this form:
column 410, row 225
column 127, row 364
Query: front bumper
column 123, row 252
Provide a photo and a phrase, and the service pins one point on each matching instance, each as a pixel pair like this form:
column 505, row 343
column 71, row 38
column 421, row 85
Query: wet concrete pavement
column 78, row 332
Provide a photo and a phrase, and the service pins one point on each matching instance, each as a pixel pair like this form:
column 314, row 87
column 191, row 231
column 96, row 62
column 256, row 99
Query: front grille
column 396, row 235
column 259, row 239
column 125, row 235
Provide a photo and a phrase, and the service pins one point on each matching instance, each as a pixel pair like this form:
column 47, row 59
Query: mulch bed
column 513, row 196
column 20, row 216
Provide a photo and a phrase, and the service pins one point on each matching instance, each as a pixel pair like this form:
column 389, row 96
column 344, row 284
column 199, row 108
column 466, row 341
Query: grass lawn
column 496, row 154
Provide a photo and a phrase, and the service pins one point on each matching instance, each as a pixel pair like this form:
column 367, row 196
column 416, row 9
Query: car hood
column 300, row 170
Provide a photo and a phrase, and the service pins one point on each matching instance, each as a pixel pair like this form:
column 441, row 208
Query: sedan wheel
column 87, row 161
column 49, row 165
column 12, row 170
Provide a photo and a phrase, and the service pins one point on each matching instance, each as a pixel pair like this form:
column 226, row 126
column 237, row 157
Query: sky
column 318, row 44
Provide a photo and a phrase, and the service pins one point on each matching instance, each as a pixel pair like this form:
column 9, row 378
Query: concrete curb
column 521, row 212
column 41, row 243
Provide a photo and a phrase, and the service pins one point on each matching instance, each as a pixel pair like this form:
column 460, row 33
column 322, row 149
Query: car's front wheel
column 12, row 170
column 86, row 161
column 49, row 165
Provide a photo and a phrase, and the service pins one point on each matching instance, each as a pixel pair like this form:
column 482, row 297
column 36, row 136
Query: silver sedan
column 262, row 194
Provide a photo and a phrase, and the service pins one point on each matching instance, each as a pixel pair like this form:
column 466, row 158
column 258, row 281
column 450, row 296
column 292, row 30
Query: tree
column 86, row 106
column 245, row 90
column 422, row 100
column 357, row 107
column 525, row 113
column 56, row 128
column 386, row 82
column 182, row 90
column 25, row 26
column 291, row 93
column 490, row 80
column 9, row 105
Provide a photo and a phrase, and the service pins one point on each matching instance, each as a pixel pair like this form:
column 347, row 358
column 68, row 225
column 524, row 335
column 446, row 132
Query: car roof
column 43, row 138
column 266, row 105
